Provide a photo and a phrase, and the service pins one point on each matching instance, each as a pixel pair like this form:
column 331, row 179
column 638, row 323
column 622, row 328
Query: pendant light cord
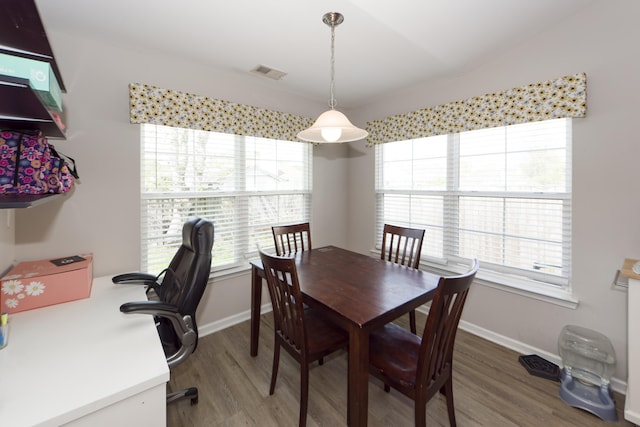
column 332, row 101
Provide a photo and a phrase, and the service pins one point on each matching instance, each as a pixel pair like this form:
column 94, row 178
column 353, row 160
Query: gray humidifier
column 588, row 363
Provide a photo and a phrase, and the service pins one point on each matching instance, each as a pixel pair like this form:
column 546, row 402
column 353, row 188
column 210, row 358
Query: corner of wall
column 7, row 239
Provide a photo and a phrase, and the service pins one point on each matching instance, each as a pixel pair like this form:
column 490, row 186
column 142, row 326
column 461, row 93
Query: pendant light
column 332, row 125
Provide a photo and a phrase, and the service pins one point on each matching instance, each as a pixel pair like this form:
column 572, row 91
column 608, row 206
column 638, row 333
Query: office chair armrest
column 155, row 308
column 135, row 278
column 183, row 325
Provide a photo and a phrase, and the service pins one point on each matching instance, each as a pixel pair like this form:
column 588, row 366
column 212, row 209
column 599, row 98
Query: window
column 243, row 184
column 502, row 195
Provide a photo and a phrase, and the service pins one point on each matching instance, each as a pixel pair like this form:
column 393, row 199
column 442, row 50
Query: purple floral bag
column 30, row 165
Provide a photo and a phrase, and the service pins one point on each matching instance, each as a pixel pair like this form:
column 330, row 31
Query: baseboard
column 617, row 385
column 227, row 322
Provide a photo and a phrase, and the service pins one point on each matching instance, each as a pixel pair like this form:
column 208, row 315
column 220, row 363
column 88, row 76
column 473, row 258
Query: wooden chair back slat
column 291, row 238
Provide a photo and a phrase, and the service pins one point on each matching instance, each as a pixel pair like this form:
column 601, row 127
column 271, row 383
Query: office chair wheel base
column 188, row 393
column 192, row 393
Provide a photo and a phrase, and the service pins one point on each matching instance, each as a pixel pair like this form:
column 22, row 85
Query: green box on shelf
column 40, row 76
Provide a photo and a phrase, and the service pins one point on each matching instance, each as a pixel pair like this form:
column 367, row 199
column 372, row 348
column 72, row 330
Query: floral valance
column 559, row 98
column 153, row 105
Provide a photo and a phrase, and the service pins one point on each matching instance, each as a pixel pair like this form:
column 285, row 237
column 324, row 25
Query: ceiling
column 379, row 48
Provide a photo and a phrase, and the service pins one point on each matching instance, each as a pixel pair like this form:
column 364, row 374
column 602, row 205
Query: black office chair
column 179, row 289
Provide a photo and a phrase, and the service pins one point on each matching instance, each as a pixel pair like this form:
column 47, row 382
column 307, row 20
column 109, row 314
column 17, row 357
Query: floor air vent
column 540, row 367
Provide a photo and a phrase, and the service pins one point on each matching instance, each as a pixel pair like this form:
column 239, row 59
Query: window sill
column 230, row 273
column 519, row 286
column 515, row 285
column 529, row 289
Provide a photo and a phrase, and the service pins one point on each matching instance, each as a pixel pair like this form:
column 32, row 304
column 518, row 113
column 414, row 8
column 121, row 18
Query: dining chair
column 419, row 367
column 302, row 332
column 291, row 238
column 402, row 245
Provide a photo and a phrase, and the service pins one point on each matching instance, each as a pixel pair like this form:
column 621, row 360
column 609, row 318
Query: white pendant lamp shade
column 332, row 126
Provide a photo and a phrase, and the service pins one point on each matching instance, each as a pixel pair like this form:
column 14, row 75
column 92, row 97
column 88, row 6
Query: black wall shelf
column 23, row 34
column 20, row 201
column 21, row 109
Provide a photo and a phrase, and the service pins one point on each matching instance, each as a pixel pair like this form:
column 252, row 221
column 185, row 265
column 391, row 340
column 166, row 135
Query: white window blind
column 244, row 185
column 502, row 195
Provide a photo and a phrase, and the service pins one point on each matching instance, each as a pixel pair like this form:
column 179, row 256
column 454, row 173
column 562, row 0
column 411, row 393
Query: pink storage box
column 35, row 284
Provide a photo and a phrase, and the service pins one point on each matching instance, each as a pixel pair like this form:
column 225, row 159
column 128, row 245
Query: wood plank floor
column 491, row 388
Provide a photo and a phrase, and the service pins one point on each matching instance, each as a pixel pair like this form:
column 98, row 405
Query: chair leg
column 447, row 390
column 304, row 394
column 420, row 408
column 274, row 369
column 412, row 321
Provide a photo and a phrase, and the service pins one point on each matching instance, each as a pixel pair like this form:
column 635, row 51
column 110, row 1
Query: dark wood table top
column 363, row 290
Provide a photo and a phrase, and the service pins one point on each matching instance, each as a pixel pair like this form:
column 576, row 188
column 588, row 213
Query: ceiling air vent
column 264, row 71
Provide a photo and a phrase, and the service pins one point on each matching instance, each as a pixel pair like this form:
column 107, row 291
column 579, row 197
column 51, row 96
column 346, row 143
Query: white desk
column 84, row 363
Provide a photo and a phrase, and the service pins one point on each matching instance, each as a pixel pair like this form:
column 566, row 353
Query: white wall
column 602, row 42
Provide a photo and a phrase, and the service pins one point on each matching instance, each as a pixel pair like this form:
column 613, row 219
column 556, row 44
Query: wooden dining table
column 357, row 292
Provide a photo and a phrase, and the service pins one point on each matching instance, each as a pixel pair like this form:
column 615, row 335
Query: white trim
column 218, row 325
column 530, row 290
